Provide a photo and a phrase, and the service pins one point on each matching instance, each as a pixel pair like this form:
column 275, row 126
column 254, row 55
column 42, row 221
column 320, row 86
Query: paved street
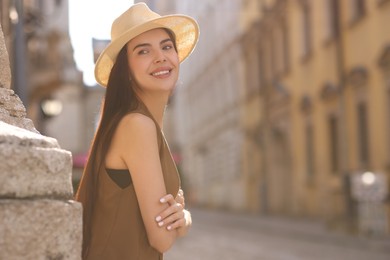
column 225, row 236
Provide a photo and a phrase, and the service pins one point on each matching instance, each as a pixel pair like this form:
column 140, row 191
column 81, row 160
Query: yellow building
column 319, row 113
column 277, row 116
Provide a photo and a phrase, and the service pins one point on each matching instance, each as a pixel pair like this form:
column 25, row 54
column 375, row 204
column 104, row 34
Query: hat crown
column 136, row 15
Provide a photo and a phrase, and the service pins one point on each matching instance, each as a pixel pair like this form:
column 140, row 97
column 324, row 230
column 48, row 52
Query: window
column 306, row 30
column 334, row 141
column 309, row 151
column 285, row 48
column 357, row 8
column 363, row 134
column 331, row 19
column 268, row 58
column 280, row 49
column 252, row 68
column 380, row 2
column 388, row 116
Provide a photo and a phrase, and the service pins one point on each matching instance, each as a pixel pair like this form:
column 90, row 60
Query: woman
column 130, row 189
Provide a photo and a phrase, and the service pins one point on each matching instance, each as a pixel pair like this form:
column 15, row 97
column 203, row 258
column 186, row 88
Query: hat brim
column 185, row 28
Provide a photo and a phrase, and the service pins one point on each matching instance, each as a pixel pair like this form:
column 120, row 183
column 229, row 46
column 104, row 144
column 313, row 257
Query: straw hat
column 139, row 19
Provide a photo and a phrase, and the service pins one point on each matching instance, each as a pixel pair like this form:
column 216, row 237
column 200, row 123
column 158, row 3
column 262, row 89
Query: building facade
column 45, row 76
column 323, row 106
column 208, row 105
column 282, row 103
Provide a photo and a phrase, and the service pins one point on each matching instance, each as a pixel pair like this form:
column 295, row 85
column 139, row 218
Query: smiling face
column 153, row 61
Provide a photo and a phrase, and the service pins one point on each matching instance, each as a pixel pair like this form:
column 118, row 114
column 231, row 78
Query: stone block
column 40, row 229
column 33, row 166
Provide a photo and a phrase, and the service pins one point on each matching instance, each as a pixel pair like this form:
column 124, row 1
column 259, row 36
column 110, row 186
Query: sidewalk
column 231, row 236
column 291, row 228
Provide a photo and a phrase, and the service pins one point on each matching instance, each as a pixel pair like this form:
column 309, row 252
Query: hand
column 180, row 198
column 173, row 217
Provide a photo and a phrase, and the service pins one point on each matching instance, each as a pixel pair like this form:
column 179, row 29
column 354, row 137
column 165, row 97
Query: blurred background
column 283, row 109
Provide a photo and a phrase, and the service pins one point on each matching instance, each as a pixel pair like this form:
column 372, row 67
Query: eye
column 168, row 47
column 142, row 52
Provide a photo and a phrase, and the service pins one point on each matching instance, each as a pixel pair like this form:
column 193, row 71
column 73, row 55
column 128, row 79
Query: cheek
column 135, row 68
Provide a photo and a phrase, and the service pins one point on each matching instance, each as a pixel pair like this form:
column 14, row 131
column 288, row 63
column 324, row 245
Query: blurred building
column 43, row 69
column 323, row 98
column 45, row 74
column 282, row 102
column 204, row 117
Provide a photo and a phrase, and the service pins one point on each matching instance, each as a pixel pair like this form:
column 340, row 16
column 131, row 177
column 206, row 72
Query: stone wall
column 38, row 219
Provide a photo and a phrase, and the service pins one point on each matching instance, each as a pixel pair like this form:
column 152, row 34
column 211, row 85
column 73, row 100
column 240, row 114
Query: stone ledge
column 24, row 123
column 40, row 229
column 33, row 165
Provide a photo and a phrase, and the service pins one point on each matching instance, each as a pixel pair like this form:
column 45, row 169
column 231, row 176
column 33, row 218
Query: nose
column 160, row 56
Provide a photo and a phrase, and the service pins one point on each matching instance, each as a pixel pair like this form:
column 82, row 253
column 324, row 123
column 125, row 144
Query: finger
column 168, row 199
column 180, row 200
column 169, row 221
column 181, row 192
column 162, row 217
column 177, row 224
column 172, row 219
column 180, row 197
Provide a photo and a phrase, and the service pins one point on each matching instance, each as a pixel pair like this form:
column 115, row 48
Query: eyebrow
column 148, row 44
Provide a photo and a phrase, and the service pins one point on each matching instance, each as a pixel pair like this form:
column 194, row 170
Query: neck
column 156, row 106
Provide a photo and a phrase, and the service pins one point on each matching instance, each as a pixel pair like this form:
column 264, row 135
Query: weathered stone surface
column 33, row 165
column 12, row 110
column 40, row 229
column 12, row 103
column 37, row 221
column 5, row 71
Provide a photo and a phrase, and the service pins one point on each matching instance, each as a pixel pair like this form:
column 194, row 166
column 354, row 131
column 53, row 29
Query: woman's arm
column 175, row 217
column 136, row 139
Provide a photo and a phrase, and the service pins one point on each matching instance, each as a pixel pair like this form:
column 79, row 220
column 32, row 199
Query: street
column 223, row 235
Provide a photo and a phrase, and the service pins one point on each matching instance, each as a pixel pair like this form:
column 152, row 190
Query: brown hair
column 120, row 99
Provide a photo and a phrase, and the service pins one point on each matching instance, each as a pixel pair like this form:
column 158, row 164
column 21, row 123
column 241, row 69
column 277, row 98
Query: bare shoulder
column 134, row 123
column 134, row 132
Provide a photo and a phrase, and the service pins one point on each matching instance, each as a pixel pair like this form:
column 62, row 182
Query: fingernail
column 162, row 200
column 169, row 227
column 158, row 218
column 160, row 223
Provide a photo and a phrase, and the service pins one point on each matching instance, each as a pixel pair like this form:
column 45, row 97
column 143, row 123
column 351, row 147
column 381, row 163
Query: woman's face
column 153, row 61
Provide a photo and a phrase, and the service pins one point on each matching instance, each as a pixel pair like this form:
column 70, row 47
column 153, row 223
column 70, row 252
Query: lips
column 161, row 72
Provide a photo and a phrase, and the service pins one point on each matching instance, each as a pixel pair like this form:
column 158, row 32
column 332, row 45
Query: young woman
column 130, row 189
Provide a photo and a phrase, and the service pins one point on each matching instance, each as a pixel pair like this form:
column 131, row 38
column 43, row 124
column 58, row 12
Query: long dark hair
column 120, row 99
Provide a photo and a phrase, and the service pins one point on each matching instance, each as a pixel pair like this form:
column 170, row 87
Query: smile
column 160, row 73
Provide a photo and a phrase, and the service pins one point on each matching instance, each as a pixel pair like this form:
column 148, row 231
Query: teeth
column 161, row 73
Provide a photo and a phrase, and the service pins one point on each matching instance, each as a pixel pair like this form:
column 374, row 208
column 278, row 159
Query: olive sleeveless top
column 118, row 231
